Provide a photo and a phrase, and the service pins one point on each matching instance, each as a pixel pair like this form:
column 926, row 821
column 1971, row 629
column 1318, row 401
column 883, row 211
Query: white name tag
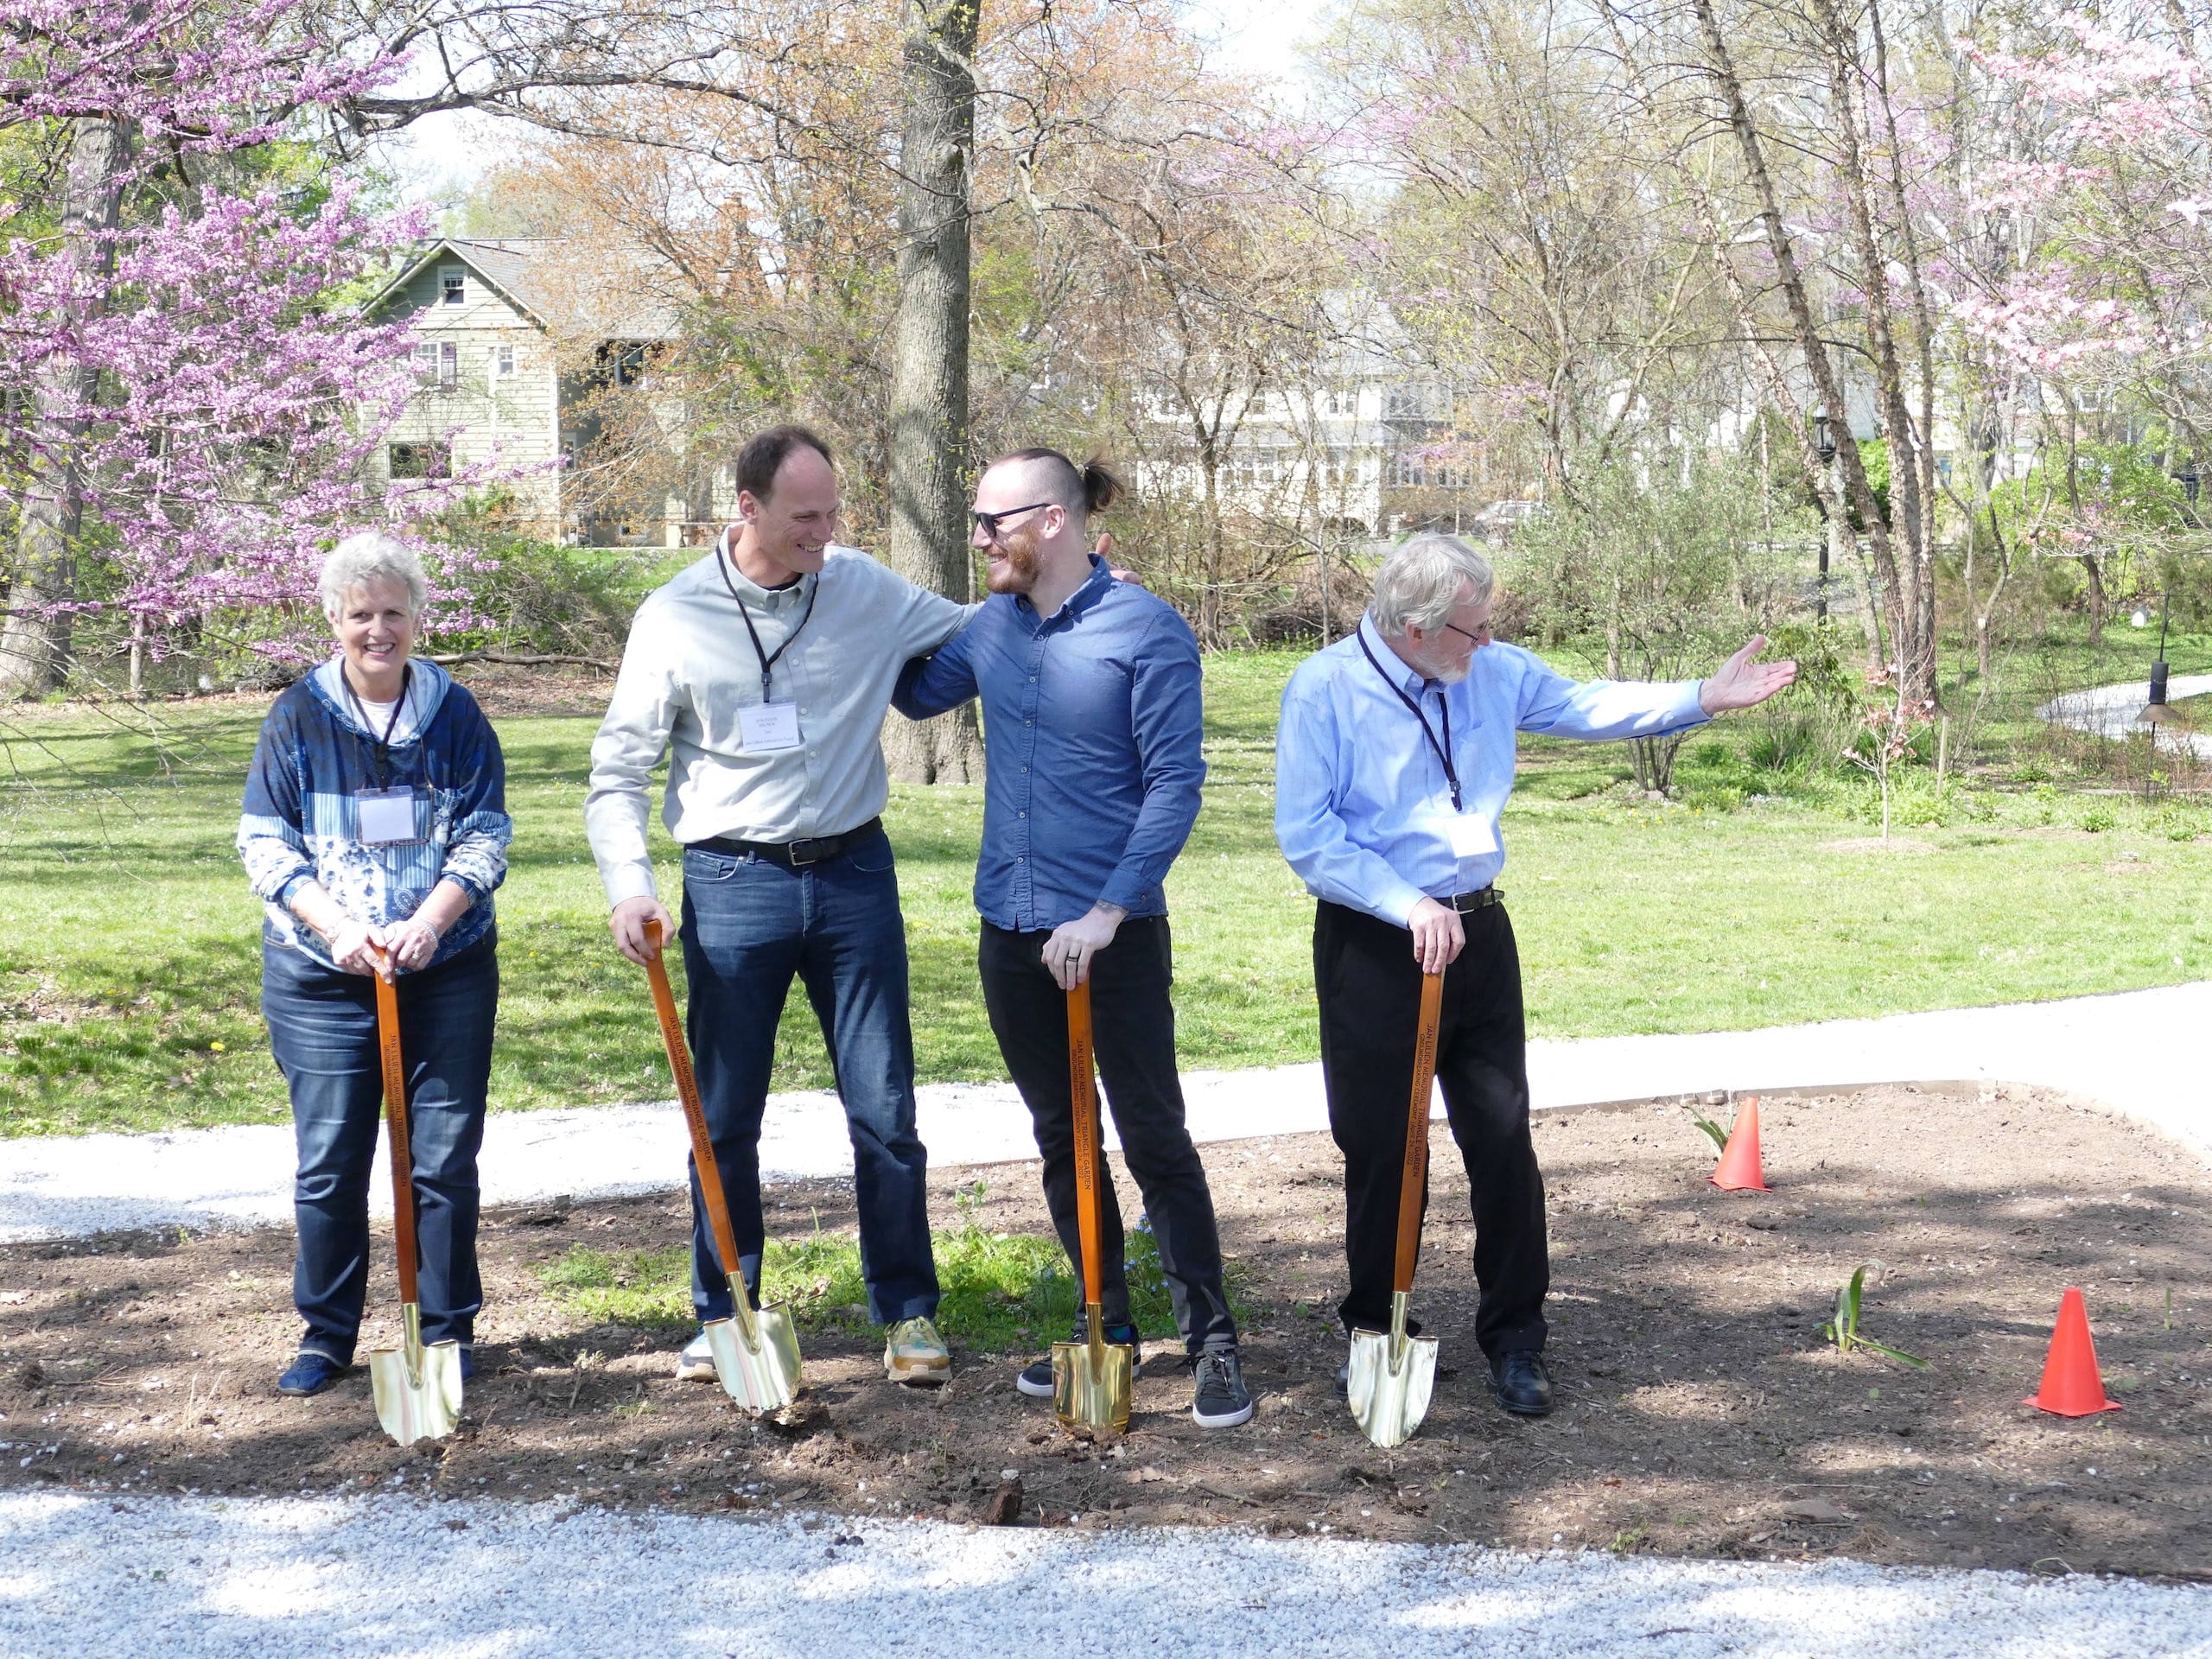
column 769, row 725
column 1472, row 835
column 386, row 815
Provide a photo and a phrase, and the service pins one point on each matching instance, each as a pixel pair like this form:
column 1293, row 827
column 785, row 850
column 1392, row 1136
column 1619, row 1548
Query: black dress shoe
column 1523, row 1387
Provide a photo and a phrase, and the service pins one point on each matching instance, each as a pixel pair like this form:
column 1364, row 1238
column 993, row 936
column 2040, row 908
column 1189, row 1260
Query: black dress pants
column 1370, row 987
column 1133, row 1023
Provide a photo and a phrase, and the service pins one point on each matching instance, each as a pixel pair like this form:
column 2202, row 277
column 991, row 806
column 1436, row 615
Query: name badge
column 386, row 816
column 769, row 725
column 1472, row 835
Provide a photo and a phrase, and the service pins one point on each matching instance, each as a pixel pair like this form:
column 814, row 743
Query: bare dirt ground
column 1699, row 1412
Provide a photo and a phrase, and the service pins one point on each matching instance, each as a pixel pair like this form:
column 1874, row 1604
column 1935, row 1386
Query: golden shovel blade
column 417, row 1386
column 1091, row 1384
column 760, row 1374
column 1389, row 1389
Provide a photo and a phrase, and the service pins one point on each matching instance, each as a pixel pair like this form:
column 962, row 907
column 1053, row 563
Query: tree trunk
column 1876, row 545
column 34, row 645
column 928, row 490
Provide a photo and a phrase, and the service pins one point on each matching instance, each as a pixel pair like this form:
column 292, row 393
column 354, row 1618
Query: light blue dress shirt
column 1364, row 808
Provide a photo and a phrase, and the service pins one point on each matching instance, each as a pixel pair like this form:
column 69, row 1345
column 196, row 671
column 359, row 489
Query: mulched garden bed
column 1701, row 1412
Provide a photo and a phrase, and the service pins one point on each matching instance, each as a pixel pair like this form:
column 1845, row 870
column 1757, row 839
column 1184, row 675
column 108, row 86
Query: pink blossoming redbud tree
column 2123, row 174
column 178, row 393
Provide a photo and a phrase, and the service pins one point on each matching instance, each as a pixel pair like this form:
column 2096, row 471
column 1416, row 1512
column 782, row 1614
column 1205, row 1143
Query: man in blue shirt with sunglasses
column 1092, row 719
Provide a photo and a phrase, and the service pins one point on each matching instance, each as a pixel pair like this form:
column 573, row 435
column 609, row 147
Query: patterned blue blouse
column 302, row 820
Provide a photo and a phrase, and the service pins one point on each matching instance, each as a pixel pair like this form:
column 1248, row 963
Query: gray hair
column 371, row 556
column 1419, row 584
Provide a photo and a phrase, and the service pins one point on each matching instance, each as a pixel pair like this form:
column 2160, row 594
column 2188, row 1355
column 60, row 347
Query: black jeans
column 1369, row 988
column 322, row 1030
column 1133, row 1022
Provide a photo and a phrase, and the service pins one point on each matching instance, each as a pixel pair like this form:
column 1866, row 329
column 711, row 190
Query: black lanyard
column 1444, row 709
column 384, row 743
column 768, row 660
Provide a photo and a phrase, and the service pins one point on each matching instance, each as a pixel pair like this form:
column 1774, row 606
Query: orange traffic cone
column 1739, row 1169
column 2071, row 1385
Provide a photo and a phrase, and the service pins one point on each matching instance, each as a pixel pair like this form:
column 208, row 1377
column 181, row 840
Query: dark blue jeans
column 322, row 1029
column 750, row 924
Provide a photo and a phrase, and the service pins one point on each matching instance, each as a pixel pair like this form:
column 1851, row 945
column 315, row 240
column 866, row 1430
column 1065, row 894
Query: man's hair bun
column 1100, row 486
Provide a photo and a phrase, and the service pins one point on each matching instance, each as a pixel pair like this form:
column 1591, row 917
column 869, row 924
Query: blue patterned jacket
column 301, row 823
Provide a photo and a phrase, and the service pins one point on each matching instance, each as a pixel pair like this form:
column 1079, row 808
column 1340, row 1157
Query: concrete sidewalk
column 2128, row 1052
column 2116, row 711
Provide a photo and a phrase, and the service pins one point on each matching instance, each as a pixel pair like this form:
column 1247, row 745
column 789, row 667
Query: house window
column 1431, row 469
column 426, row 460
column 1341, row 400
column 453, row 286
column 503, row 362
column 437, row 365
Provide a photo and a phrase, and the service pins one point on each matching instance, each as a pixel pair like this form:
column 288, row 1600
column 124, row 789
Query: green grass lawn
column 1002, row 1291
column 129, row 957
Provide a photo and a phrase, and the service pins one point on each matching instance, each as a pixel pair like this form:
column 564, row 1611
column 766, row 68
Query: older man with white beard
column 1393, row 761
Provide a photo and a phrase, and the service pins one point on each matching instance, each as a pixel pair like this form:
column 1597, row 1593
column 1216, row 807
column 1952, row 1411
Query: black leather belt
column 1481, row 899
column 792, row 855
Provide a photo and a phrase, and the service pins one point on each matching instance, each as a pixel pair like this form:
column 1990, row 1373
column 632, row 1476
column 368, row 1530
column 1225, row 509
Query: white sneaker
column 696, row 1363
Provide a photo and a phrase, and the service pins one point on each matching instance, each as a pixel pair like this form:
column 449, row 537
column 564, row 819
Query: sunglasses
column 988, row 523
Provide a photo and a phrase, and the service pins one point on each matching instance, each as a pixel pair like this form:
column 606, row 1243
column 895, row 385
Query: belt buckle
column 800, row 859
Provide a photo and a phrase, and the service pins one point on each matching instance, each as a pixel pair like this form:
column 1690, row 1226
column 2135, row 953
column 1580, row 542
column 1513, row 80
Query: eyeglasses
column 1481, row 636
column 988, row 523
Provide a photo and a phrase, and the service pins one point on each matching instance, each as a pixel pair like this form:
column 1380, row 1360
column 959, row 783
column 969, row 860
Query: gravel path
column 275, row 1577
column 2091, row 1046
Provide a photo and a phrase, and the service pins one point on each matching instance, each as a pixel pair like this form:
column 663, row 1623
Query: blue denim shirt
column 1092, row 720
column 1363, row 810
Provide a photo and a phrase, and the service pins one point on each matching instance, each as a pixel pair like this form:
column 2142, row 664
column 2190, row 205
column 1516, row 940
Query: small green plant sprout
column 1843, row 1329
column 1720, row 1135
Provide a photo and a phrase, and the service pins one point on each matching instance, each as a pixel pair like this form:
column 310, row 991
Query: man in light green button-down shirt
column 763, row 672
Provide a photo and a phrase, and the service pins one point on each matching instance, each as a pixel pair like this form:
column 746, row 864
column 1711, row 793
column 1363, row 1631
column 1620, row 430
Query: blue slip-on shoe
column 310, row 1373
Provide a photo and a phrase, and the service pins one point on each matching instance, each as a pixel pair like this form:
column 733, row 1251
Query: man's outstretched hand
column 1740, row 683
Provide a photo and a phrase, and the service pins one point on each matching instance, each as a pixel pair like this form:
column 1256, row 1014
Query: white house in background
column 1359, row 444
column 512, row 349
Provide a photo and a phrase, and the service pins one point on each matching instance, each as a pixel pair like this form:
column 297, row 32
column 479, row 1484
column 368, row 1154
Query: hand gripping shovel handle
column 702, row 1146
column 394, row 1113
column 1415, row 1184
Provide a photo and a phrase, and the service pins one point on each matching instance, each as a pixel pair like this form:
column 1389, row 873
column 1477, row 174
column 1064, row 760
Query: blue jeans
column 322, row 1029
column 749, row 924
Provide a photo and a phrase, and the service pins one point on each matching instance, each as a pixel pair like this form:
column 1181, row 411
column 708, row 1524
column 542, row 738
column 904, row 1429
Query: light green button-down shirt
column 688, row 668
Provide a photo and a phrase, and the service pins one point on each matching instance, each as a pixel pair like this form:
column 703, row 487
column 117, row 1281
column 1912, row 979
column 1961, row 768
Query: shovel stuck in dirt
column 756, row 1351
column 417, row 1385
column 1091, row 1379
column 1392, row 1375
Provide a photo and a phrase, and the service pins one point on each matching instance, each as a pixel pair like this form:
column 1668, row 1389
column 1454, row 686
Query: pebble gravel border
column 392, row 1575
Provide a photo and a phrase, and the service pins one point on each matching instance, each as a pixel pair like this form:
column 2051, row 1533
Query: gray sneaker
column 1219, row 1398
column 696, row 1363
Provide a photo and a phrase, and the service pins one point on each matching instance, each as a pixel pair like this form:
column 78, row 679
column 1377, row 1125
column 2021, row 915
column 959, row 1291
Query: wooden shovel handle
column 395, row 1117
column 1416, row 1180
column 1084, row 1088
column 695, row 1115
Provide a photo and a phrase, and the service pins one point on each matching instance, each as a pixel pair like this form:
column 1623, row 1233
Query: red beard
column 1019, row 574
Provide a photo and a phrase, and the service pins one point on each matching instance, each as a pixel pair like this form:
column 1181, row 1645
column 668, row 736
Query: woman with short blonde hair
column 375, row 831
